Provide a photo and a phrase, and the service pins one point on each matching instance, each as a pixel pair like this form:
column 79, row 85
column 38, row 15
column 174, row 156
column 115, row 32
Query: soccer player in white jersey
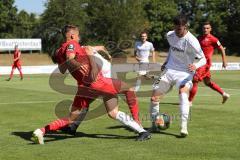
column 142, row 52
column 184, row 57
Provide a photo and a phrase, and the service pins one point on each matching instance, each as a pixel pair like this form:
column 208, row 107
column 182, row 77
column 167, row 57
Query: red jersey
column 73, row 47
column 208, row 44
column 16, row 54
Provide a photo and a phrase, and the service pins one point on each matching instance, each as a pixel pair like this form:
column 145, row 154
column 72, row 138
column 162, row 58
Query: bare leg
column 111, row 105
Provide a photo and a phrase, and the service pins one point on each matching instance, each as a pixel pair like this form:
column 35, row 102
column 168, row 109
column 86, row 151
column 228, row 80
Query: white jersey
column 143, row 50
column 183, row 51
column 103, row 64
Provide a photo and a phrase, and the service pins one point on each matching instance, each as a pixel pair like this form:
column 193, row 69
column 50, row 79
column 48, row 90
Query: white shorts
column 143, row 68
column 170, row 77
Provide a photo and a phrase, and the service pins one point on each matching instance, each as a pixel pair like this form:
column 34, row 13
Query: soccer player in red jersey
column 208, row 43
column 79, row 61
column 16, row 63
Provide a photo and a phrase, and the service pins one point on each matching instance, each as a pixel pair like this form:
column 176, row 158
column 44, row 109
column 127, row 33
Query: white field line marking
column 198, row 95
column 139, row 98
column 234, row 89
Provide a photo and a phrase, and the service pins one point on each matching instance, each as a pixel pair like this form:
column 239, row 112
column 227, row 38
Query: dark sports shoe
column 68, row 130
column 143, row 136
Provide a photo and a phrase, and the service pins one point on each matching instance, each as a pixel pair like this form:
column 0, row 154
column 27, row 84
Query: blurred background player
column 208, row 43
column 81, row 64
column 143, row 49
column 16, row 63
column 178, row 70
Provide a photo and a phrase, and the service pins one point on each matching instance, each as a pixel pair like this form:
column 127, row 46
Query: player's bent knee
column 71, row 121
column 207, row 83
column 131, row 89
column 184, row 89
column 74, row 115
column 161, row 87
column 113, row 113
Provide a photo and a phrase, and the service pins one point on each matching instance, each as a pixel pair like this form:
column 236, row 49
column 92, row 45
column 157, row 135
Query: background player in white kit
column 142, row 52
column 178, row 70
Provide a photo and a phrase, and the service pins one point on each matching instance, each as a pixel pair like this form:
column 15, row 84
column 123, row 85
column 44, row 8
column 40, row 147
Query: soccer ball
column 163, row 121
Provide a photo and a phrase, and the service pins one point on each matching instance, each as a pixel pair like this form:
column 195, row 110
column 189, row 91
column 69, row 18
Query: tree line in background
column 118, row 20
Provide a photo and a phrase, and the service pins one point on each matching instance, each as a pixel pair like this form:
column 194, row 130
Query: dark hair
column 53, row 56
column 143, row 32
column 180, row 20
column 67, row 28
column 207, row 23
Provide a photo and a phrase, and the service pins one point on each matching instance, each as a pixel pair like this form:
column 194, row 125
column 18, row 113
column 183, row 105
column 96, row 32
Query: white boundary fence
column 23, row 44
column 48, row 69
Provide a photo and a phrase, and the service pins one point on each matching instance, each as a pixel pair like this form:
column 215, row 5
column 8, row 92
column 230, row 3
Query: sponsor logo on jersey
column 70, row 47
column 177, row 49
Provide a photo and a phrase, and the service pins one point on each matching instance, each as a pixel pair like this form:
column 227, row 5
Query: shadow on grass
column 170, row 134
column 24, row 135
column 55, row 136
column 174, row 104
column 147, row 129
column 120, row 126
column 164, row 133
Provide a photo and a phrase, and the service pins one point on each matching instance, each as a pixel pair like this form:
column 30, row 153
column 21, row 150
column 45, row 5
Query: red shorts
column 16, row 65
column 101, row 88
column 201, row 73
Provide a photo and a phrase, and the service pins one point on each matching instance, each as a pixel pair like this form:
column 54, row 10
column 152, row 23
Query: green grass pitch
column 214, row 129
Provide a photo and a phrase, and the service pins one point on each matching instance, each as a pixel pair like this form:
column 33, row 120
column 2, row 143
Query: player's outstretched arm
column 100, row 48
column 103, row 52
column 224, row 65
column 153, row 57
column 200, row 62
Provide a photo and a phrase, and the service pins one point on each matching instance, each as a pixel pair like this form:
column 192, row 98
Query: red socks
column 55, row 125
column 133, row 105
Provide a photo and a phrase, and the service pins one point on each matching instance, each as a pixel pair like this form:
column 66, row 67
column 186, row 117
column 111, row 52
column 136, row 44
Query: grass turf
column 214, row 131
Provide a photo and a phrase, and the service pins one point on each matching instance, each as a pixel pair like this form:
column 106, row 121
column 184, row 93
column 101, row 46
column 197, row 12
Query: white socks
column 128, row 121
column 154, row 110
column 138, row 85
column 184, row 109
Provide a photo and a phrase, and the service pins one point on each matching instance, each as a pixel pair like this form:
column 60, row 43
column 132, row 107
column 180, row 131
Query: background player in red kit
column 91, row 84
column 208, row 43
column 16, row 63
